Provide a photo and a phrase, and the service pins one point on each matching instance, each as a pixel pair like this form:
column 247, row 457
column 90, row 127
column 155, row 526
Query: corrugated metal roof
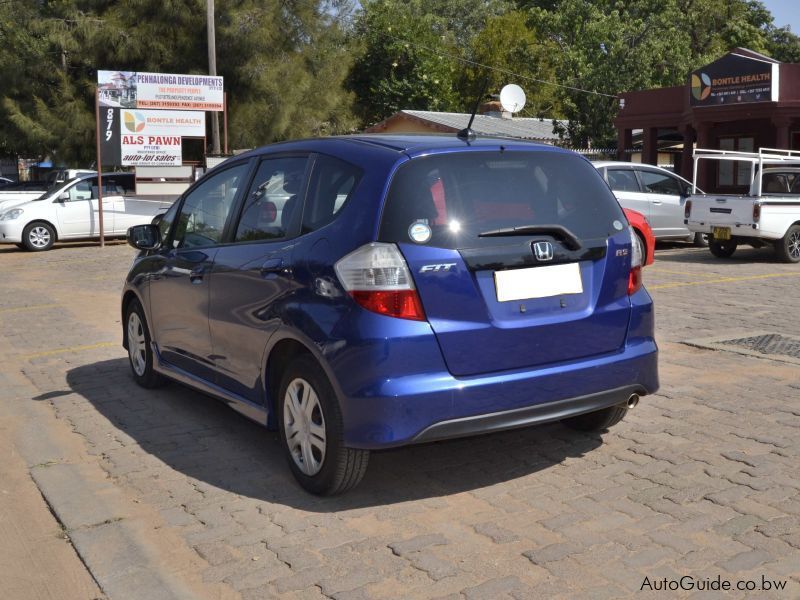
column 518, row 127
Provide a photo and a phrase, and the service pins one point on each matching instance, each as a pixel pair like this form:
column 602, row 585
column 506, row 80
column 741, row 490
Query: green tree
column 283, row 63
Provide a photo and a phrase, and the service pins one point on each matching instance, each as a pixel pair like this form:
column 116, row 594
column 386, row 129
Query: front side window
column 622, row 180
column 205, row 210
column 449, row 200
column 272, row 205
column 660, row 183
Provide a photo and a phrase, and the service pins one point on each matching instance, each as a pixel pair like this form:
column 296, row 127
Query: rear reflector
column 756, row 212
column 687, row 209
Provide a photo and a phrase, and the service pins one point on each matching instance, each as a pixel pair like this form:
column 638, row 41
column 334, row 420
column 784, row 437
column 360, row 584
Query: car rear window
column 447, row 200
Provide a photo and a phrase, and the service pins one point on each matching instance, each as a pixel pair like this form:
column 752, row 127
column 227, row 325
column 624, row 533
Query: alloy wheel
column 137, row 348
column 793, row 245
column 39, row 236
column 304, row 425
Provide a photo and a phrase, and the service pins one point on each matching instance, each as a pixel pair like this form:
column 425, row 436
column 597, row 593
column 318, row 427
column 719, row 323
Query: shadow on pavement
column 743, row 254
column 205, row 440
column 13, row 248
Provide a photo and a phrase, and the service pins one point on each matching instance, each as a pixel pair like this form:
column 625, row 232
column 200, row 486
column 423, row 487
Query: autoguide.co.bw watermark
column 689, row 583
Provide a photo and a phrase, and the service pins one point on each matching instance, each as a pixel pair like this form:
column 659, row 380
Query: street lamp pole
column 212, row 70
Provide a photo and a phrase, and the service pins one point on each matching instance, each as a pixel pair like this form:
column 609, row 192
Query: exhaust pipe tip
column 633, row 400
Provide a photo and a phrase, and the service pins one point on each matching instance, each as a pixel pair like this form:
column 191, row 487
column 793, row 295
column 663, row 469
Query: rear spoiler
column 764, row 156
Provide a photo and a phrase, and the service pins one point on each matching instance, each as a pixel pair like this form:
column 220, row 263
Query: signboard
column 152, row 150
column 134, row 89
column 163, row 122
column 154, row 137
column 734, row 79
column 109, row 136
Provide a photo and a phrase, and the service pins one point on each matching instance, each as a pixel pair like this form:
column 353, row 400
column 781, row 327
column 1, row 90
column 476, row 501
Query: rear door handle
column 272, row 267
column 197, row 274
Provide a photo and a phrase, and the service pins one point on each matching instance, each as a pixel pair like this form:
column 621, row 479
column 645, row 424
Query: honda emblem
column 543, row 250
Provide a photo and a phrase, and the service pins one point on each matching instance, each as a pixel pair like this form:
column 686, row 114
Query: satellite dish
column 512, row 98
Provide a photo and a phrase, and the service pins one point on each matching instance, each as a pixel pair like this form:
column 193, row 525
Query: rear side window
column 272, row 203
column 623, row 180
column 332, row 184
column 447, row 200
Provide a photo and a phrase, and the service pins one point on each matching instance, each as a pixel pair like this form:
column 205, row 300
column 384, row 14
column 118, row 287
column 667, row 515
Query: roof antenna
column 468, row 134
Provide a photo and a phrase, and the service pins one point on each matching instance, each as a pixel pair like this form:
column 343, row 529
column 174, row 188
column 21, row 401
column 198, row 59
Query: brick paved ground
column 702, row 479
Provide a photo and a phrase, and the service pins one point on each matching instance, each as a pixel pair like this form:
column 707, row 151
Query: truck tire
column 701, row 240
column 722, row 249
column 788, row 247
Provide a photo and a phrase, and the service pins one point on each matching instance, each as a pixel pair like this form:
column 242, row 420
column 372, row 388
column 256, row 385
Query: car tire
column 312, row 433
column 140, row 350
column 38, row 236
column 722, row 249
column 700, row 240
column 788, row 247
column 598, row 420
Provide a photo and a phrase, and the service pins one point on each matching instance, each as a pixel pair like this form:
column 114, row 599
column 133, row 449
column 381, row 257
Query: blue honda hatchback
column 367, row 292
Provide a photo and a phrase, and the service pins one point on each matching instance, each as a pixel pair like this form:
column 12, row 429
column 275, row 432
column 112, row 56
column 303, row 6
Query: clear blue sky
column 786, row 12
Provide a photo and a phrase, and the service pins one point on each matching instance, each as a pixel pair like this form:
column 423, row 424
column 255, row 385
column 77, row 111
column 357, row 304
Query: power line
column 498, row 69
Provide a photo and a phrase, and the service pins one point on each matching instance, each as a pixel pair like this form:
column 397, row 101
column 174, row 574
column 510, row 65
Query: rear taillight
column 687, row 209
column 756, row 212
column 377, row 278
column 637, row 252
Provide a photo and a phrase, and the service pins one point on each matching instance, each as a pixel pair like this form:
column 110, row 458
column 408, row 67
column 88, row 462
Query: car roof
column 410, row 144
column 628, row 165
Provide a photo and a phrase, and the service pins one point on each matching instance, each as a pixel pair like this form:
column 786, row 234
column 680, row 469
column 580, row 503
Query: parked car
column 4, row 182
column 642, row 228
column 63, row 175
column 656, row 193
column 69, row 211
column 413, row 288
column 767, row 216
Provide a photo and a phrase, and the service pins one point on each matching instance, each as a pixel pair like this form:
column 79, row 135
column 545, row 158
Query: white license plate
column 538, row 282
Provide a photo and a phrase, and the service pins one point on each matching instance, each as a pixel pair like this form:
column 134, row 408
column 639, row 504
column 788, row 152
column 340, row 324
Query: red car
column 642, row 228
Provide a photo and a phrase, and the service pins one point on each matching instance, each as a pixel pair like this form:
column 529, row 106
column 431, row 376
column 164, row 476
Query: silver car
column 656, row 193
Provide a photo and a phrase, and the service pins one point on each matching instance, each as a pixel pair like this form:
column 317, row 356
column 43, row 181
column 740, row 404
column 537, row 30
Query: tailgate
column 479, row 333
column 720, row 210
column 521, row 259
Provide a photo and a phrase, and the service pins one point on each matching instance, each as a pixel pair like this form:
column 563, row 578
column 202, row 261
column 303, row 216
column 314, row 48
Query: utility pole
column 212, row 70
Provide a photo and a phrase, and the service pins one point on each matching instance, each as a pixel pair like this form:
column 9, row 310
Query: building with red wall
column 743, row 101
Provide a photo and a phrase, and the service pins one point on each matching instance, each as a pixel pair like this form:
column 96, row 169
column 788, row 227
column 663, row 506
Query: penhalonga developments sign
column 132, row 89
column 734, row 79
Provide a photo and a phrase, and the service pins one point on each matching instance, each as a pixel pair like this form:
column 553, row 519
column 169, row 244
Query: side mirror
column 63, row 197
column 157, row 219
column 144, row 237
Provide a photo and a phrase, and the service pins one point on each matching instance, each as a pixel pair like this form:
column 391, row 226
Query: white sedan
column 70, row 211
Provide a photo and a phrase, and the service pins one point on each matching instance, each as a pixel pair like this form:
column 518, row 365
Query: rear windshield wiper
column 557, row 231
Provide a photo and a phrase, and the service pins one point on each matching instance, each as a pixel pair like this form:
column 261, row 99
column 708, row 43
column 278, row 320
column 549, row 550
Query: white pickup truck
column 768, row 216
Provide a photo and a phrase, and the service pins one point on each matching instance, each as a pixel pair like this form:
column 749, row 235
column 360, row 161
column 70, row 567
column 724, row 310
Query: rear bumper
column 530, row 415
column 426, row 407
column 738, row 230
